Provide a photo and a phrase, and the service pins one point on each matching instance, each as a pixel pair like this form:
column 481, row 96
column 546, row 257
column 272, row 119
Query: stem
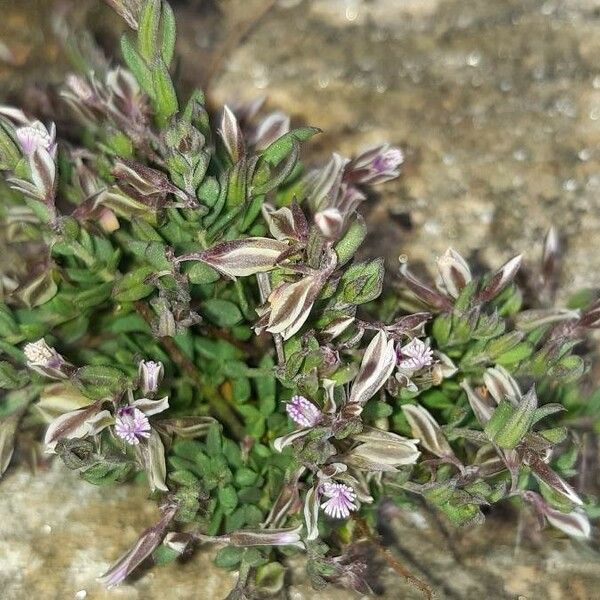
column 240, row 586
column 264, row 288
column 221, row 409
column 390, row 559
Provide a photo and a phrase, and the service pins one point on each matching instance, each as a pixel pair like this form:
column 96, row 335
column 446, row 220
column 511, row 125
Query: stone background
column 497, row 106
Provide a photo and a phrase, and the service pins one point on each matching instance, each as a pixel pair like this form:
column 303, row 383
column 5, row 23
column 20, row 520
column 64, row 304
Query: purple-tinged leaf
column 311, row 513
column 270, row 129
column 425, row 428
column 551, row 259
column 377, row 365
column 590, row 319
column 286, row 223
column 231, row 134
column 380, row 450
column 482, row 405
column 8, row 430
column 145, row 180
column 330, row 222
column 544, row 473
column 267, row 537
column 536, row 317
column 152, row 455
column 454, row 272
column 409, row 324
column 503, row 277
column 78, row 423
column 186, row 427
column 142, row 549
column 423, row 292
column 291, row 304
column 240, row 258
column 43, row 174
column 574, row 523
column 501, row 385
column 324, row 184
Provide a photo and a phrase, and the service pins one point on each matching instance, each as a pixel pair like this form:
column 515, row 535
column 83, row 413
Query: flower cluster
column 192, row 310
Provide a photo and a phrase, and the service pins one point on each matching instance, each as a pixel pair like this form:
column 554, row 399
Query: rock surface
column 58, row 534
column 497, row 105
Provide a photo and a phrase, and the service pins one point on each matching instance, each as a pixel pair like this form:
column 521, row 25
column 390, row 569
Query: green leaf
column 132, row 285
column 169, row 33
column 229, row 557
column 9, row 151
column 346, row 248
column 200, row 273
column 266, row 387
column 270, row 578
column 163, row 555
column 106, row 473
column 213, row 441
column 442, row 325
column 189, row 449
column 165, row 98
column 241, row 390
column 508, row 425
column 221, row 312
column 137, row 66
column 10, row 378
column 282, row 147
column 254, row 557
column 362, row 282
column 228, row 499
column 245, row 477
column 99, row 381
column 147, row 36
column 518, row 353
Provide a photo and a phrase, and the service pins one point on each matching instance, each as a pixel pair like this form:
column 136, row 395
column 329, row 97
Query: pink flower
column 303, row 412
column 132, row 425
column 34, row 136
column 341, row 500
column 414, row 356
column 375, row 165
column 388, row 161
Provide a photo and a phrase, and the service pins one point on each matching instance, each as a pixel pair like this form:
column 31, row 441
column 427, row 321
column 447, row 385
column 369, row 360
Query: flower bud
column 267, row 537
column 377, row 365
column 382, row 451
column 330, row 223
column 150, row 375
column 454, row 272
column 501, row 385
column 425, row 428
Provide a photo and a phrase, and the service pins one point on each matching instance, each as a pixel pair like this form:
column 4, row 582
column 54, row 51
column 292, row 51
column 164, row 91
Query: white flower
column 34, row 136
column 414, row 356
column 342, row 500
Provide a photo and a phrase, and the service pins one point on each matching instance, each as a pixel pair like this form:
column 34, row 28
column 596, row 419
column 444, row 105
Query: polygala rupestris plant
column 188, row 311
